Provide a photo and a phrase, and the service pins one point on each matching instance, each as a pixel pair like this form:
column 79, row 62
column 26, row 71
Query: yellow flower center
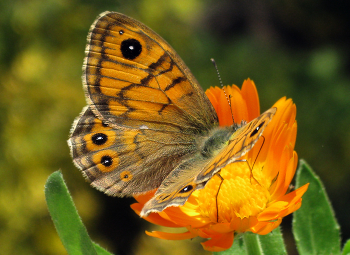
column 235, row 192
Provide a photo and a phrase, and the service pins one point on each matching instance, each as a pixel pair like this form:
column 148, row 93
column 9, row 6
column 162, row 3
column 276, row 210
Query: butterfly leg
column 216, row 198
column 251, row 168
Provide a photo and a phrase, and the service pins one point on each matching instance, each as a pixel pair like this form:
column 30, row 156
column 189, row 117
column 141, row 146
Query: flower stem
column 252, row 244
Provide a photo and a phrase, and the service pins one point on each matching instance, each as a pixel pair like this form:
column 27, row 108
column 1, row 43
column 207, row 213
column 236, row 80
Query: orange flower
column 253, row 195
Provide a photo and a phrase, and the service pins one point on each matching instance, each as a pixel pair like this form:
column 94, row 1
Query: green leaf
column 273, row 243
column 315, row 228
column 100, row 250
column 254, row 244
column 346, row 249
column 66, row 219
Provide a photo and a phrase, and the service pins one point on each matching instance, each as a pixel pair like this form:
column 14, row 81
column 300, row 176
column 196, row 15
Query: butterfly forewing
column 134, row 78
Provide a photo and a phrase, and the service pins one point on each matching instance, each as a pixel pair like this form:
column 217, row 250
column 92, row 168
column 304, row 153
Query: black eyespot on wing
column 99, row 138
column 186, row 189
column 106, row 161
column 131, row 48
column 257, row 129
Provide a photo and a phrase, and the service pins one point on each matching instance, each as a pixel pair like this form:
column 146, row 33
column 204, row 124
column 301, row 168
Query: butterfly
column 148, row 124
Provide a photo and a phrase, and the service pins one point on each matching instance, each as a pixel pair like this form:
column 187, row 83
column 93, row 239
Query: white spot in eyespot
column 131, row 47
column 144, row 127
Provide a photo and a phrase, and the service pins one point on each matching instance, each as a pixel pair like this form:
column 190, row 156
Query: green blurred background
column 295, row 48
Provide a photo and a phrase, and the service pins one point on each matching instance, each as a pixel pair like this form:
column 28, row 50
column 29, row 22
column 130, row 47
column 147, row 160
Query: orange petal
column 220, row 243
column 222, row 227
column 174, row 214
column 263, row 228
column 288, row 164
column 144, row 197
column 250, row 95
column 213, row 95
column 238, row 105
column 172, row 236
column 154, row 217
column 242, row 225
column 296, row 194
column 286, row 205
column 272, row 211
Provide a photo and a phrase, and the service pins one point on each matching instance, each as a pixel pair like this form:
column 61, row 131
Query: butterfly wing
column 177, row 186
column 145, row 108
column 180, row 183
column 134, row 79
column 121, row 161
column 238, row 145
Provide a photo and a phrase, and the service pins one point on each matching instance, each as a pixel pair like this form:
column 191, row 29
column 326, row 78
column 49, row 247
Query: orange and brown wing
column 238, row 145
column 134, row 79
column 145, row 109
column 123, row 162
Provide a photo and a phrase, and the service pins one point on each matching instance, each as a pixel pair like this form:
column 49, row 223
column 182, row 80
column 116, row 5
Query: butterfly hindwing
column 122, row 161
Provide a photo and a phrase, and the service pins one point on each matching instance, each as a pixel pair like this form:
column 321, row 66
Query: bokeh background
column 294, row 48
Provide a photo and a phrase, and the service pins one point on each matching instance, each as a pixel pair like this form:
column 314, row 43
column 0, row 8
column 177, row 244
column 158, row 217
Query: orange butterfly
column 148, row 123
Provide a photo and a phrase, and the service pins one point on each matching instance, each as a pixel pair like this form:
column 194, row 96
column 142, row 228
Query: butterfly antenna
column 222, row 86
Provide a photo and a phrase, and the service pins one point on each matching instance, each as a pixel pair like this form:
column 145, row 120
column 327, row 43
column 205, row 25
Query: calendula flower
column 251, row 195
